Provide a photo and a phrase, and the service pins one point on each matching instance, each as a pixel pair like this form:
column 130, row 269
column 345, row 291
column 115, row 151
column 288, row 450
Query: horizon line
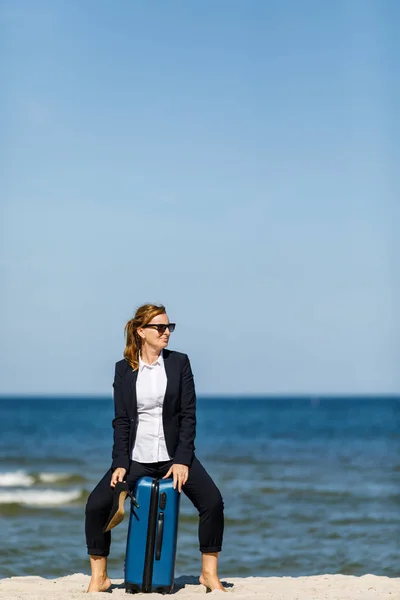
column 222, row 395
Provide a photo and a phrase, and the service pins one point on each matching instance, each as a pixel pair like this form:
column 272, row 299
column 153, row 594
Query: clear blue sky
column 234, row 160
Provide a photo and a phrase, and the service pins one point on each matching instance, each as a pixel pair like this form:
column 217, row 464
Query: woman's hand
column 118, row 475
column 180, row 474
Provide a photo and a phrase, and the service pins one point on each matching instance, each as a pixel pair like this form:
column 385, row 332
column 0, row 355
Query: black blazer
column 179, row 410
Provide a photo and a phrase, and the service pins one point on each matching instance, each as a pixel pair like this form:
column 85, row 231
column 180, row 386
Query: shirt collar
column 143, row 365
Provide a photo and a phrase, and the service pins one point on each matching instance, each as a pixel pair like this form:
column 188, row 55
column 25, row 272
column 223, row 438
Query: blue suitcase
column 152, row 537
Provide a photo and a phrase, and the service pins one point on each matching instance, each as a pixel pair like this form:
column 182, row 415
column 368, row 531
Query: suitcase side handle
column 160, row 534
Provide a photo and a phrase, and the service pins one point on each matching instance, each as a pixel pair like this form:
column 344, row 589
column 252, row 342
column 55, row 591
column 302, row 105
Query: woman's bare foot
column 209, row 572
column 99, row 584
column 211, row 582
column 100, row 581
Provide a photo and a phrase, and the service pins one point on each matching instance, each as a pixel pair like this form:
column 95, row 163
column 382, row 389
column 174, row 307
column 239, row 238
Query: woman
column 154, row 431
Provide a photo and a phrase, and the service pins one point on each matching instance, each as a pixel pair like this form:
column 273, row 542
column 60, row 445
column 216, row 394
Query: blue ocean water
column 310, row 485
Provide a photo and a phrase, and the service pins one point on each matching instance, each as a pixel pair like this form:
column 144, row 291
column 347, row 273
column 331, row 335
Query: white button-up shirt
column 151, row 384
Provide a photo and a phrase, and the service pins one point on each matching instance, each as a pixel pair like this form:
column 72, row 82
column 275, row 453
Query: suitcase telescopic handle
column 160, row 533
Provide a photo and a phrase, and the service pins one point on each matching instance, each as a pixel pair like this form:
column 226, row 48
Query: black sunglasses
column 161, row 327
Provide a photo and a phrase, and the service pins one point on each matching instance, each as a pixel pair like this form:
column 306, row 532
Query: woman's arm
column 121, row 425
column 187, row 417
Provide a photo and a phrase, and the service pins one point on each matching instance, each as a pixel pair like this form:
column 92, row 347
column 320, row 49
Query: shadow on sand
column 179, row 584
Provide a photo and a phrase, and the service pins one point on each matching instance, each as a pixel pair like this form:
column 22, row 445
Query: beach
column 309, row 488
column 311, row 494
column 319, row 587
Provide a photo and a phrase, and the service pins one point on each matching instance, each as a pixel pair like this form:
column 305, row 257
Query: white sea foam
column 52, row 477
column 39, row 498
column 16, row 478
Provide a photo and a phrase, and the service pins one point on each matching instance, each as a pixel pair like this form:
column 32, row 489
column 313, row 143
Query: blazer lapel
column 171, row 373
column 130, row 383
column 172, row 383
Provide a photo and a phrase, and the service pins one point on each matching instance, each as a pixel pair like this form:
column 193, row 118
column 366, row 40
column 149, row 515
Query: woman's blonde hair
column 143, row 315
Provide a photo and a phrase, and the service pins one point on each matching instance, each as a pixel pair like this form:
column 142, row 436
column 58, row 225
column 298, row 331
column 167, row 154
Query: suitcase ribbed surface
column 152, row 537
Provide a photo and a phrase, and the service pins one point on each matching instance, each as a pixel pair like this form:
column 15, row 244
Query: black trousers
column 199, row 488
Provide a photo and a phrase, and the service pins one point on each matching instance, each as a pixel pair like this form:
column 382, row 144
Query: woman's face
column 154, row 338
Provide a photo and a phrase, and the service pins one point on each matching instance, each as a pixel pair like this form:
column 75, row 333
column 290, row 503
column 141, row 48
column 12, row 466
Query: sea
column 311, row 485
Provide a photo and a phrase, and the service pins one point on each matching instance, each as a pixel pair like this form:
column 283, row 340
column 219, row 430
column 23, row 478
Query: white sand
column 320, row 587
